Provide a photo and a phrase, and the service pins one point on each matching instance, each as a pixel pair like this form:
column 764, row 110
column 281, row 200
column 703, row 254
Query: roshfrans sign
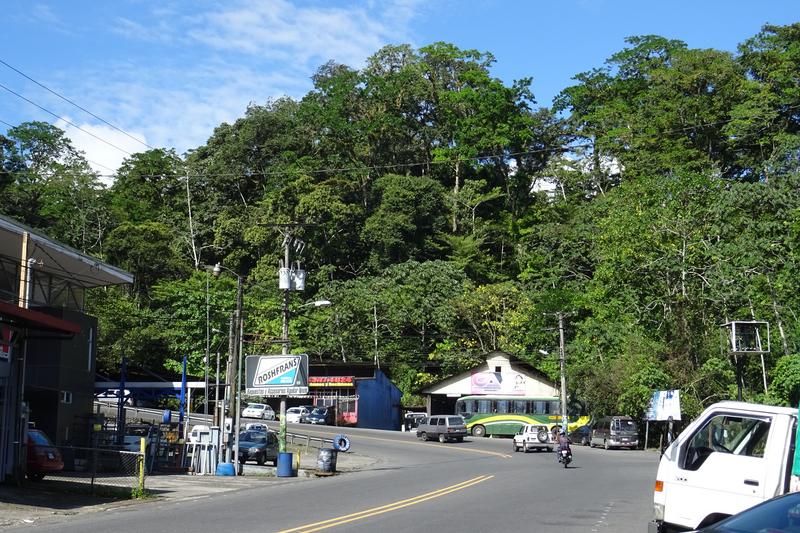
column 277, row 375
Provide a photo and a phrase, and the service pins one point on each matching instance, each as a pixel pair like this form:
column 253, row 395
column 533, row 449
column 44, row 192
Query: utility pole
column 562, row 362
column 284, row 343
column 238, row 351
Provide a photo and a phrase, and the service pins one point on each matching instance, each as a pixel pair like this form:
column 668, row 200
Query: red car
column 43, row 456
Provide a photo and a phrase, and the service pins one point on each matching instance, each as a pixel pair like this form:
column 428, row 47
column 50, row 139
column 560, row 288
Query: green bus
column 504, row 415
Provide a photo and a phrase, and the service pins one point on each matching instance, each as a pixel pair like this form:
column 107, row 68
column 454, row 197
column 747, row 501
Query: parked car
column 259, row 410
column 615, row 432
column 533, row 437
column 43, row 456
column 258, row 446
column 411, row 420
column 296, row 415
column 322, row 415
column 134, row 433
column 443, row 427
column 781, row 515
column 581, row 435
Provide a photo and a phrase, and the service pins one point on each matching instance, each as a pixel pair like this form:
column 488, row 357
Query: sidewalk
column 43, row 501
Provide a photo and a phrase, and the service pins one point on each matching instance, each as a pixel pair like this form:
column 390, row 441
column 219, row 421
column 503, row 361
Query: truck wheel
column 423, row 436
column 442, row 438
column 479, row 431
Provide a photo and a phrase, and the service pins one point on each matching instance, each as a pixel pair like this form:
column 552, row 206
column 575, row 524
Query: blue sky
column 168, row 72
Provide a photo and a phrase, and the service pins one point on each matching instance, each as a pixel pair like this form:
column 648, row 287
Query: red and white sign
column 6, row 342
column 331, row 381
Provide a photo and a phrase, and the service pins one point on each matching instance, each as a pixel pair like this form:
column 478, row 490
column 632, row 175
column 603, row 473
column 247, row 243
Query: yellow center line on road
column 332, row 522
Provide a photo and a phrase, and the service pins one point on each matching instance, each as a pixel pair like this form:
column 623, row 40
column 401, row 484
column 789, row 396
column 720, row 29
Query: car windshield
column 253, row 436
column 455, row 421
column 137, row 431
column 625, row 425
column 255, row 406
column 318, row 411
column 293, row 410
column 39, row 438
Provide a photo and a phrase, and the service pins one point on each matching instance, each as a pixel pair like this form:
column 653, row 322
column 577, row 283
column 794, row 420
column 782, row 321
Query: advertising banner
column 664, row 404
column 332, row 381
column 277, row 375
column 511, row 383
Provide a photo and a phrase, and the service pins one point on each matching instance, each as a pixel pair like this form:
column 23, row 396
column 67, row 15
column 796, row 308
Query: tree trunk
column 455, row 198
column 375, row 333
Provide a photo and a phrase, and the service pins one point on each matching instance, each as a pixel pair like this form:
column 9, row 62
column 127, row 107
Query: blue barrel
column 326, row 460
column 225, row 469
column 285, row 468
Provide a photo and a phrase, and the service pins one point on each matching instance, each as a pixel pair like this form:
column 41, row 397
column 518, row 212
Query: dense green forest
column 445, row 214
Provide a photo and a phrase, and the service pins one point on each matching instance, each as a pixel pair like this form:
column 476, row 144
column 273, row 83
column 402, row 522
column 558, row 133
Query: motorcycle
column 565, row 457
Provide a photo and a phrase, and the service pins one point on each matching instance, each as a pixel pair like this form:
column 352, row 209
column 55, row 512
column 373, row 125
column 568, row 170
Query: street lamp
column 235, row 362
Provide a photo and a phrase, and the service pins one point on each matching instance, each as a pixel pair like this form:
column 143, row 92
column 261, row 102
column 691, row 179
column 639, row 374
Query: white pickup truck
column 730, row 458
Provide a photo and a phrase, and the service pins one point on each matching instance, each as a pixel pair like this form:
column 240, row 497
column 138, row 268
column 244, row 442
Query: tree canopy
column 446, row 215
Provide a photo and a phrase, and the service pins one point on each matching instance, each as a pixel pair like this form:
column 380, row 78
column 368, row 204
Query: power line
column 566, row 148
column 76, row 105
column 87, row 160
column 65, row 120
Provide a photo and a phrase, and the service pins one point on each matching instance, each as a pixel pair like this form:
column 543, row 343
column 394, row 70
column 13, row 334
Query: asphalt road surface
column 478, row 485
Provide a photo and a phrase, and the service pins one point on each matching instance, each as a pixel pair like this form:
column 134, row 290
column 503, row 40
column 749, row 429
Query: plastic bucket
column 326, row 460
column 225, row 469
column 285, row 467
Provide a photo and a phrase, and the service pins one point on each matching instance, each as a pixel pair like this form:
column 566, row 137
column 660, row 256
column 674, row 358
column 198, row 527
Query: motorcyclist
column 563, row 443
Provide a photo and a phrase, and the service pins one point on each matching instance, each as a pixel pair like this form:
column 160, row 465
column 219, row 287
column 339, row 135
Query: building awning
column 58, row 259
column 36, row 320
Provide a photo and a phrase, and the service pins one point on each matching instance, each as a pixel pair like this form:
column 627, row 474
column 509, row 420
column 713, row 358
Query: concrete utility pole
column 233, row 395
column 562, row 361
column 284, row 344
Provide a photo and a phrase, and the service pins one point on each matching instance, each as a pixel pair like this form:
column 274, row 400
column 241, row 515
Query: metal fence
column 308, row 441
column 94, row 470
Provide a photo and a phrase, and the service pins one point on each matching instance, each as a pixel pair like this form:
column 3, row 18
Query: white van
column 730, row 458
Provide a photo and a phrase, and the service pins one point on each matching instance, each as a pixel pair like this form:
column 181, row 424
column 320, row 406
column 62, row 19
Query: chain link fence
column 94, row 470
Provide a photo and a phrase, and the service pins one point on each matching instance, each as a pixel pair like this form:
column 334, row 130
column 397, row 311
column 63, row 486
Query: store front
column 361, row 394
column 17, row 326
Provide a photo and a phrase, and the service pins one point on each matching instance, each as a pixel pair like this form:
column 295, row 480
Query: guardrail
column 295, row 438
column 141, row 413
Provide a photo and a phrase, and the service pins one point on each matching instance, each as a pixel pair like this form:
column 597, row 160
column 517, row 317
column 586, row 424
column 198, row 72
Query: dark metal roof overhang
column 35, row 320
column 58, row 259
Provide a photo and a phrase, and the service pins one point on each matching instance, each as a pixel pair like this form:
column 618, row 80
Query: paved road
column 479, row 484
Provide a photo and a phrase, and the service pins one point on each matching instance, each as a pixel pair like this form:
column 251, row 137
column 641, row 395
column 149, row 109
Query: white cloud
column 283, row 31
column 210, row 65
column 106, row 155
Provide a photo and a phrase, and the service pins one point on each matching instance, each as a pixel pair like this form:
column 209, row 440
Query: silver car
column 443, row 427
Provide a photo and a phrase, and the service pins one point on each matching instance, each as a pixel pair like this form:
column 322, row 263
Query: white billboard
column 665, row 404
column 277, row 375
